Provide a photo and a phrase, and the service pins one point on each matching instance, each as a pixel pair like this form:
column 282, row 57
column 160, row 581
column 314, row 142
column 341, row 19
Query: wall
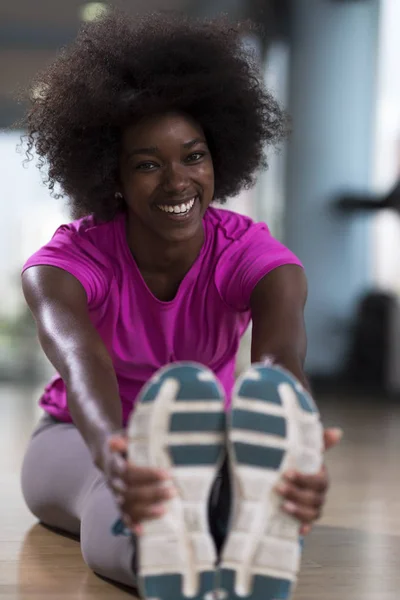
column 332, row 101
column 386, row 234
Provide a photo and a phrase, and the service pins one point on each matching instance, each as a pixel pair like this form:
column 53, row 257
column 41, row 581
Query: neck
column 156, row 255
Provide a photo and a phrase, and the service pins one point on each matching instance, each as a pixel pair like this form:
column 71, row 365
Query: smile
column 178, row 209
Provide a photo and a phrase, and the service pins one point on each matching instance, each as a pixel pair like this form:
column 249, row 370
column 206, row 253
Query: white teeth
column 177, row 209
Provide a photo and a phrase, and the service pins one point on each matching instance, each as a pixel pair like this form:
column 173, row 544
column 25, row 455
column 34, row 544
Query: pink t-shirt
column 203, row 323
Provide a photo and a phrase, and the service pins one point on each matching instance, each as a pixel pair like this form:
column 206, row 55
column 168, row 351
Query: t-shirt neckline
column 190, row 276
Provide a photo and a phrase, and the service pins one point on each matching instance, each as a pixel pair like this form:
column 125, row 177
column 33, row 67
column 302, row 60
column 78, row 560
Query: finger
column 119, row 488
column 149, row 494
column 301, row 496
column 145, row 475
column 117, row 467
column 128, row 522
column 317, row 483
column 305, row 529
column 303, row 514
column 118, row 443
column 332, row 437
column 137, row 514
column 138, row 530
column 154, row 511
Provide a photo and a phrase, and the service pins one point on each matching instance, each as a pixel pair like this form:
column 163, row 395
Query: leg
column 274, row 426
column 64, row 489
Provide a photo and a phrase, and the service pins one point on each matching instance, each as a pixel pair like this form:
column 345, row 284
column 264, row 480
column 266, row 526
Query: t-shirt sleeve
column 70, row 251
column 246, row 261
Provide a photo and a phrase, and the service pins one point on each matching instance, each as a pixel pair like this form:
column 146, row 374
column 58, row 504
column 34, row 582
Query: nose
column 175, row 179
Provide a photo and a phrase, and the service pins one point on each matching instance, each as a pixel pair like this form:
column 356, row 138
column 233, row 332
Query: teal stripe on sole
column 270, row 379
column 260, row 390
column 255, row 421
column 258, row 456
column 306, row 402
column 191, row 387
column 264, row 588
column 197, row 421
column 169, row 587
column 269, row 587
column 278, row 376
column 196, row 454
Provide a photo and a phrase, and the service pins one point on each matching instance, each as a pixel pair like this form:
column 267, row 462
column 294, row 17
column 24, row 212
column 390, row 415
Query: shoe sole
column 179, row 424
column 274, row 426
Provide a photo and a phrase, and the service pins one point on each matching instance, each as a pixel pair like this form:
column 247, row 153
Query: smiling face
column 167, row 175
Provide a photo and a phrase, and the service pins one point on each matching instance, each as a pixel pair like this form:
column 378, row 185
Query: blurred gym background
column 329, row 194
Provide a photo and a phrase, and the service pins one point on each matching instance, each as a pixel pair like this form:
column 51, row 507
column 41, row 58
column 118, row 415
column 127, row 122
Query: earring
column 118, row 195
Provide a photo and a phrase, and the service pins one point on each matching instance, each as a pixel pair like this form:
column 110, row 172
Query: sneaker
column 179, row 424
column 274, row 426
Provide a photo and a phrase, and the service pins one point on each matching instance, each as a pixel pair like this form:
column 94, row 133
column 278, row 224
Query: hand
column 305, row 495
column 140, row 491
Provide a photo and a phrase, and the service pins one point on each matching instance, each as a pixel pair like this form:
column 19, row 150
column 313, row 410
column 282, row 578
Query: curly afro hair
column 119, row 70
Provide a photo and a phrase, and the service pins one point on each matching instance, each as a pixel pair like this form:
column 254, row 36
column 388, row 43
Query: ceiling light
column 90, row 11
column 38, row 91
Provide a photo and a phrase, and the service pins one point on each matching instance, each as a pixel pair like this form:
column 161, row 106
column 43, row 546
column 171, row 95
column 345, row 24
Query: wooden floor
column 354, row 554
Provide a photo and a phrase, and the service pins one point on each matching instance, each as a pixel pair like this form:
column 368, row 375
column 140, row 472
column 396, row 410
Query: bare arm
column 277, row 306
column 59, row 305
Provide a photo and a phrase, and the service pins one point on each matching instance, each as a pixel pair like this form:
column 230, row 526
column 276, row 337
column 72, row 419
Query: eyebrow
column 154, row 150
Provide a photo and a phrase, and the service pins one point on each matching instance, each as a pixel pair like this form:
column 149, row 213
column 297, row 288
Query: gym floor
column 353, row 553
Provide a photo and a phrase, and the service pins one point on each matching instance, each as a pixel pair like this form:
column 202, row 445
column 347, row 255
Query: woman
column 143, row 124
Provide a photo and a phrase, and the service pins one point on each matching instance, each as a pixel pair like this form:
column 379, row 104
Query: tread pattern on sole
column 180, row 424
column 261, row 556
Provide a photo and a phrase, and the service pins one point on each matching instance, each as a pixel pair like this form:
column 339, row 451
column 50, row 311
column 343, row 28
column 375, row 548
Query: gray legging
column 64, row 489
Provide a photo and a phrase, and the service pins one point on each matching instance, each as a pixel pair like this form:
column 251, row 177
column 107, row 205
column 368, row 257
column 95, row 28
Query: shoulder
column 229, row 226
column 86, row 236
column 79, row 245
column 246, row 253
column 84, row 249
column 238, row 236
column 88, row 229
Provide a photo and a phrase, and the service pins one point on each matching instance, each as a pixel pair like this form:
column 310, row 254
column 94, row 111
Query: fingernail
column 119, row 499
column 158, row 510
column 339, row 432
column 291, row 475
column 172, row 492
column 281, row 488
column 120, row 462
column 119, row 486
column 290, row 507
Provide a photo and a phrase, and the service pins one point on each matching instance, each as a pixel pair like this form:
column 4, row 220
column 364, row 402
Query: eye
column 195, row 157
column 146, row 166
